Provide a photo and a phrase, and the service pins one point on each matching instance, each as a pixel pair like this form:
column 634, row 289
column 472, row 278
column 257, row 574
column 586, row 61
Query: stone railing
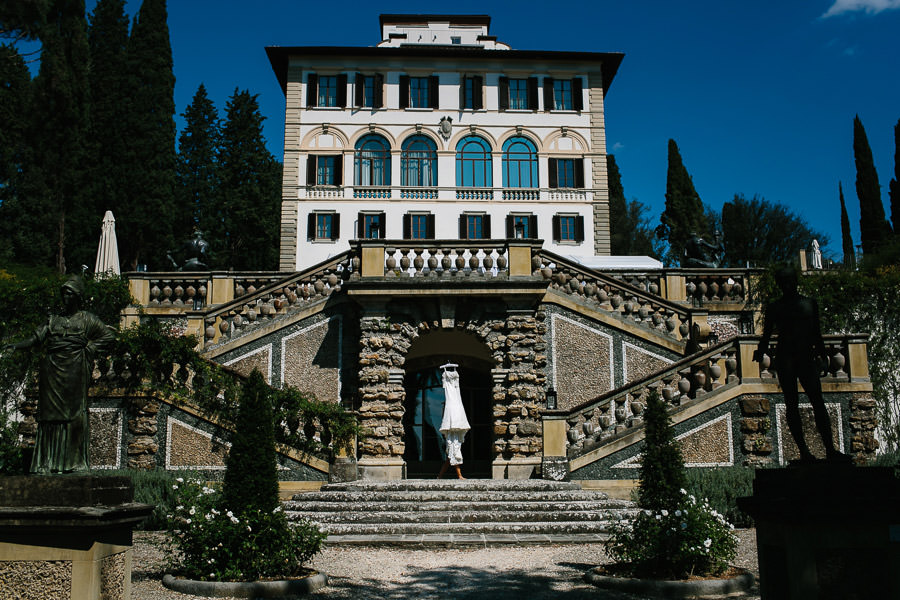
column 183, row 291
column 444, row 258
column 324, row 191
column 696, row 286
column 474, row 194
column 419, row 193
column 594, row 423
column 567, row 195
column 613, row 296
column 289, row 293
column 374, row 192
column 523, row 194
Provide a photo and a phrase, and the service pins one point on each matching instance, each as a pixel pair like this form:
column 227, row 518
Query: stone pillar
column 67, row 537
column 863, row 422
column 555, row 464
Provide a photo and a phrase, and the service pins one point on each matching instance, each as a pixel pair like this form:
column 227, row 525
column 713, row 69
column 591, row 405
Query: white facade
column 510, row 100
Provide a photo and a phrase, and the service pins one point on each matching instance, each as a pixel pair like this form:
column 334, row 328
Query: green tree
column 250, row 184
column 630, row 231
column 846, row 239
column 895, row 182
column 684, row 212
column 110, row 105
column 662, row 464
column 149, row 162
column 874, row 230
column 197, row 170
column 15, row 89
column 251, row 479
column 762, row 232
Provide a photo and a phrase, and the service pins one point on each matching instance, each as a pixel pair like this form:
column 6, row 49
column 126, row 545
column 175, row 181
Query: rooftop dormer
column 438, row 30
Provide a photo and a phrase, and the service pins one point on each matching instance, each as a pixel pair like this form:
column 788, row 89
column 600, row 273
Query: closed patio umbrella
column 108, row 250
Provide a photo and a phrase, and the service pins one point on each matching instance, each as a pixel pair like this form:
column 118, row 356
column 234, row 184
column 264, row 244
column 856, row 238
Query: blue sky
column 759, row 96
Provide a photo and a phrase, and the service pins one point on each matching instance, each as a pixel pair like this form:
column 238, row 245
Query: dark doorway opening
column 422, row 417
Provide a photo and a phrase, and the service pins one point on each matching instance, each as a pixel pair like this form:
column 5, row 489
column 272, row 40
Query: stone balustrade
column 695, row 286
column 251, row 309
column 474, row 193
column 185, row 291
column 522, row 194
column 613, row 296
column 444, row 258
column 374, row 192
column 730, row 363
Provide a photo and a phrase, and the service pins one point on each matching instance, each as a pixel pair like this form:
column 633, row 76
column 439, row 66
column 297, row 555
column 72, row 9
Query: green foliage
column 12, row 460
column 762, row 232
column 846, row 239
column 630, row 231
column 684, row 210
column 154, row 488
column 149, row 161
column 214, row 543
column 662, row 465
column 721, row 487
column 251, row 480
column 894, row 186
column 197, row 170
column 874, row 230
column 250, row 180
column 689, row 538
column 303, row 417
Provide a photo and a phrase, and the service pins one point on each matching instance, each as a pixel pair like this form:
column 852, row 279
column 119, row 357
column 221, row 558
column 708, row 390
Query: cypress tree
column 251, row 479
column 873, row 228
column 108, row 38
column 662, row 464
column 846, row 240
column 196, row 169
column 15, row 87
column 617, row 209
column 684, row 212
column 895, row 182
column 250, row 183
column 144, row 231
column 58, row 133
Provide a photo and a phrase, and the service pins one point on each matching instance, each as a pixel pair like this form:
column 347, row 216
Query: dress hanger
column 449, row 365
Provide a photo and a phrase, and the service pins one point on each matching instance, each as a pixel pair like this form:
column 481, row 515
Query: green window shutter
column 311, row 226
column 335, row 226
column 360, row 226
column 510, row 230
column 359, row 89
column 579, row 228
column 477, row 93
column 556, row 228
column 551, row 172
column 407, row 226
column 312, row 89
column 548, row 94
column 532, row 226
column 579, row 173
column 577, row 103
column 378, row 95
column 339, row 170
column 486, row 227
column 434, row 91
column 431, row 227
column 404, row 91
column 463, row 227
column 532, row 93
column 503, row 93
column 311, row 169
column 342, row 90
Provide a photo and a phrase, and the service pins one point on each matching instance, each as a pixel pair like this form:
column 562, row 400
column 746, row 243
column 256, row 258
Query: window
column 324, row 169
column 418, row 226
column 418, row 162
column 326, row 90
column 566, row 172
column 418, row 92
column 372, row 161
column 473, row 162
column 521, row 226
column 455, row 40
column 474, row 226
column 369, row 90
column 370, row 226
column 517, row 94
column 568, row 228
column 323, row 226
column 471, row 96
column 562, row 94
column 520, row 167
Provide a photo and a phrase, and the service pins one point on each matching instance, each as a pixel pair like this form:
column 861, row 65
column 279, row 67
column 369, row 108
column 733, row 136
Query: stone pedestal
column 67, row 536
column 343, row 469
column 827, row 532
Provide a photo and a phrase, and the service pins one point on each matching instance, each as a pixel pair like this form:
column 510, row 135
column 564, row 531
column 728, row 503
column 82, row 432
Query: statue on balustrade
column 799, row 354
column 70, row 342
column 698, row 253
column 193, row 252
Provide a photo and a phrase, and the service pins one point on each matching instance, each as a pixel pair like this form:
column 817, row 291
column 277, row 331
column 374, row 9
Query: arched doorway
column 423, row 406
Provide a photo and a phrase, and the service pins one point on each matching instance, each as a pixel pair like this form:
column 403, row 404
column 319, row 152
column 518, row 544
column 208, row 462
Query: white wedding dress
column 454, row 425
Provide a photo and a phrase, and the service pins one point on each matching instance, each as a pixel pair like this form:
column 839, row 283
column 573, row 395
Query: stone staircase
column 447, row 513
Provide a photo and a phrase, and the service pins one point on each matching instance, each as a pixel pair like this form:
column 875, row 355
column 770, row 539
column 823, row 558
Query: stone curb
column 248, row 589
column 707, row 588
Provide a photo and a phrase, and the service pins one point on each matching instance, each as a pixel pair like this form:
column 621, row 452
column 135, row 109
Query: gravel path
column 499, row 573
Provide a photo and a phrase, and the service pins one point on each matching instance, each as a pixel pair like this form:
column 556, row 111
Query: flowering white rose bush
column 212, row 543
column 692, row 539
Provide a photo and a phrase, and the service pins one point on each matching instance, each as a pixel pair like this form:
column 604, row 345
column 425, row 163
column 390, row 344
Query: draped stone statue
column 70, row 341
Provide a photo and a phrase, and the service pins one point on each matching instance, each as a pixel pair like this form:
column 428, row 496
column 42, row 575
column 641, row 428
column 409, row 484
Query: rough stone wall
column 142, row 430
column 756, row 424
column 863, row 423
column 36, row 579
column 519, row 351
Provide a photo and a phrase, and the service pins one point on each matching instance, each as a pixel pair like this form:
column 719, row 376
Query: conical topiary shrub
column 251, row 478
column 662, row 465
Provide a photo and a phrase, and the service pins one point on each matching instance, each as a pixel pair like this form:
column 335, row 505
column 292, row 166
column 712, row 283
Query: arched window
column 520, row 166
column 372, row 161
column 418, row 162
column 473, row 162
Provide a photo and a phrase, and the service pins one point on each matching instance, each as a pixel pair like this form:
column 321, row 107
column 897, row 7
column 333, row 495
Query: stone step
column 454, row 540
column 497, row 485
column 492, row 528
column 457, row 516
column 560, row 504
column 446, row 496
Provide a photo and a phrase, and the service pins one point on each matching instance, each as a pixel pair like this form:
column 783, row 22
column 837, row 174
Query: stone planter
column 661, row 588
column 247, row 589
